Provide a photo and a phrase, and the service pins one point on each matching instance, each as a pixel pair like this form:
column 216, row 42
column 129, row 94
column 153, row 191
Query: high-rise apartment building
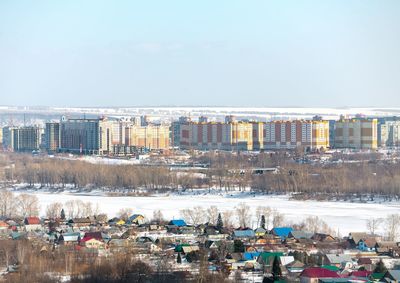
column 357, row 133
column 389, row 134
column 233, row 135
column 102, row 136
column 218, row 135
column 87, row 136
column 150, row 137
column 8, row 138
column 176, row 130
column 308, row 134
column 52, row 137
column 22, row 139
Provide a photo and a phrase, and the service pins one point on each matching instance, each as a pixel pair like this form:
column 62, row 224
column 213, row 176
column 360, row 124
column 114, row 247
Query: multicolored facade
column 255, row 135
column 102, row 136
column 308, row 134
column 356, row 133
column 218, row 135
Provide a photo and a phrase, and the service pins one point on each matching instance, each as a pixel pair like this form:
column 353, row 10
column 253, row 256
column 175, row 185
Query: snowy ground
column 342, row 216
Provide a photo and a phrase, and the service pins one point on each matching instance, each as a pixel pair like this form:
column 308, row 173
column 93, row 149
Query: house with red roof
column 92, row 243
column 313, row 274
column 3, row 225
column 32, row 224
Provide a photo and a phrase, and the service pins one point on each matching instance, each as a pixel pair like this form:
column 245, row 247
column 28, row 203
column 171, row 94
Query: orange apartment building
column 233, row 135
column 310, row 134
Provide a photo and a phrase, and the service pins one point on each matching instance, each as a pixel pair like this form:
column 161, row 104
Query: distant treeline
column 226, row 172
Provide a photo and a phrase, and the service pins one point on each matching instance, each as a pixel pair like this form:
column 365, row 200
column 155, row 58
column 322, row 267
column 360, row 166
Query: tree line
column 225, row 172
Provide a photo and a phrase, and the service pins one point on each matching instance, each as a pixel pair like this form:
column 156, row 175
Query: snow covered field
column 219, row 112
column 342, row 216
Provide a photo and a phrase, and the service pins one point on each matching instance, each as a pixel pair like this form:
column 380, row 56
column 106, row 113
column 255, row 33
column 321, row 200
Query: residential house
column 392, row 276
column 116, row 221
column 32, row 224
column 260, row 232
column 80, row 222
column 297, row 235
column 338, row 260
column 98, row 236
column 282, row 232
column 177, row 223
column 313, row 274
column 389, row 248
column 367, row 245
column 18, row 235
column 322, row 237
column 69, row 238
column 251, row 256
column 137, row 219
column 189, row 249
column 355, row 237
column 92, row 243
column 295, row 267
column 244, row 234
column 3, row 225
column 266, row 259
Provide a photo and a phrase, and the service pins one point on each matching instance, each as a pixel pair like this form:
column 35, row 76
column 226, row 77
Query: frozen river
column 342, row 216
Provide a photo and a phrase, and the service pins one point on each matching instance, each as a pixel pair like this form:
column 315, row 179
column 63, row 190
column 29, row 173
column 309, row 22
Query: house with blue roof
column 247, row 256
column 243, row 234
column 282, row 232
column 178, row 222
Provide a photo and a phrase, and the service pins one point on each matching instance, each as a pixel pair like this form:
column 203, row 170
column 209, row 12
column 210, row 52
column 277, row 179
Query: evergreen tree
column 62, row 214
column 380, row 267
column 262, row 221
column 220, row 224
column 238, row 246
column 179, row 259
column 276, row 269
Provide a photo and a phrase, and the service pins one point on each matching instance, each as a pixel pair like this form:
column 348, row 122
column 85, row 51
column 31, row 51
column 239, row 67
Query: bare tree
column 277, row 218
column 373, row 225
column 227, row 217
column 28, row 205
column 392, row 226
column 243, row 214
column 315, row 224
column 7, row 203
column 212, row 214
column 53, row 210
column 96, row 210
column 158, row 216
column 80, row 208
column 70, row 209
column 194, row 216
column 102, row 217
column 87, row 209
column 124, row 213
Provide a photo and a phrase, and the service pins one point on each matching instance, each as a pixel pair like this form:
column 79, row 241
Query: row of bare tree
column 22, row 205
column 228, row 172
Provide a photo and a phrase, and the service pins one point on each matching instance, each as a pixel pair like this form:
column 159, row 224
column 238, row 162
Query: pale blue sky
column 231, row 53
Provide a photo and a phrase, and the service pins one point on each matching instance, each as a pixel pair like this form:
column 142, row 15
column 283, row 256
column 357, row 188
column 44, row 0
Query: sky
column 299, row 53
